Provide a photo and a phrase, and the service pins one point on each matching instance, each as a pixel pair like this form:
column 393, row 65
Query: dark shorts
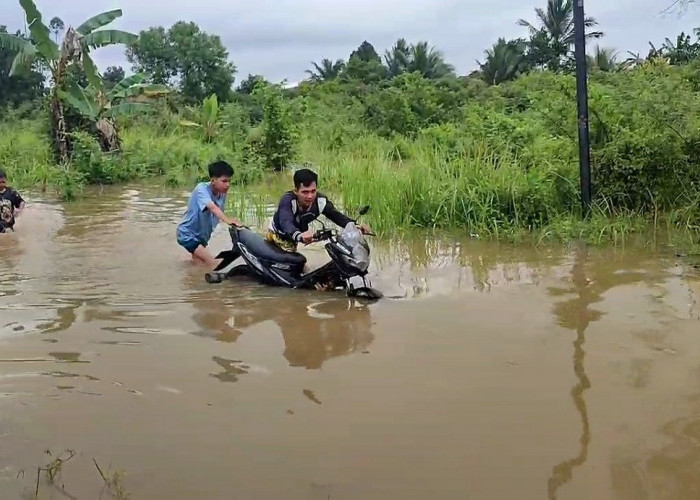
column 191, row 245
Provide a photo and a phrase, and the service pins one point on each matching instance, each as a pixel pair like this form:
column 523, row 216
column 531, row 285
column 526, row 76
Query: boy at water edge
column 11, row 204
column 204, row 211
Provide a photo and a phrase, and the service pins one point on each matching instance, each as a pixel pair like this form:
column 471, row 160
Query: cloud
column 280, row 38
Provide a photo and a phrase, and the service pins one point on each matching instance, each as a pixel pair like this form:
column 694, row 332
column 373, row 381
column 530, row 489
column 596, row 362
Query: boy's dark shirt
column 10, row 200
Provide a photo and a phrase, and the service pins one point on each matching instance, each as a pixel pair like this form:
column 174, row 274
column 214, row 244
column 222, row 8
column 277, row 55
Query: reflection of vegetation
column 445, row 261
column 670, row 472
column 65, row 319
column 232, row 369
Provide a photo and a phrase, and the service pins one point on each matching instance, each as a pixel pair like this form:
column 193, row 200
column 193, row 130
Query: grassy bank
column 495, row 162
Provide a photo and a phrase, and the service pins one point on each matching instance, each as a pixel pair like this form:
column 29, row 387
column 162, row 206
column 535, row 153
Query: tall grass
column 429, row 187
column 481, row 194
column 25, row 153
column 494, row 163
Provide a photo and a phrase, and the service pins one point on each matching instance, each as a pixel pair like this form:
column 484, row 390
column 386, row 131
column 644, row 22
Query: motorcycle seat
column 264, row 250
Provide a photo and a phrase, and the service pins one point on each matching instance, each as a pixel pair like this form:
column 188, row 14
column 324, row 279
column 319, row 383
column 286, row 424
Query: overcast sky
column 280, row 38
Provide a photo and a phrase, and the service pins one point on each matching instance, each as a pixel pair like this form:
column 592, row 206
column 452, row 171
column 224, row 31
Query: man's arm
column 286, row 219
column 336, row 215
column 213, row 208
column 18, row 203
column 340, row 218
column 204, row 202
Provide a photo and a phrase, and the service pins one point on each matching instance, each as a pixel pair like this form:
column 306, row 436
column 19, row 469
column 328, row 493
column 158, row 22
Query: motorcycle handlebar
column 323, row 234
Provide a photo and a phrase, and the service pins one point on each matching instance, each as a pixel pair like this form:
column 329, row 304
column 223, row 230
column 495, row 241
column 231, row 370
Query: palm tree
column 428, row 61
column 398, row 58
column 56, row 25
column 504, row 61
column 75, row 49
column 555, row 35
column 328, row 70
column 558, row 22
column 633, row 60
column 603, row 60
column 419, row 57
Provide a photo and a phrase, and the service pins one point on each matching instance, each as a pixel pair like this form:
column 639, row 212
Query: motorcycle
column 269, row 264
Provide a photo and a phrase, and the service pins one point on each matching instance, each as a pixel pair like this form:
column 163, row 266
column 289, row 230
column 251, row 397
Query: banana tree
column 207, row 118
column 74, row 49
column 102, row 106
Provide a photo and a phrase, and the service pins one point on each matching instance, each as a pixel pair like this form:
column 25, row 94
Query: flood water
column 489, row 372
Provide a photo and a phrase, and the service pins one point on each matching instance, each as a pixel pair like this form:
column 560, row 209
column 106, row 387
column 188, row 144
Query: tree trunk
column 109, row 138
column 59, row 131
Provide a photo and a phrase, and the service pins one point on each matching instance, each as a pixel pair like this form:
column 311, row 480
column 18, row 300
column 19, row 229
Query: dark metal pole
column 582, row 98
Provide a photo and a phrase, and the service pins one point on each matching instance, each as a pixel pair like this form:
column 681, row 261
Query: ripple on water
column 142, row 330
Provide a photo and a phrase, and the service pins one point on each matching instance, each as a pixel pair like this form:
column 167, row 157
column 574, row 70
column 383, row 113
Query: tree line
column 51, row 66
column 196, row 64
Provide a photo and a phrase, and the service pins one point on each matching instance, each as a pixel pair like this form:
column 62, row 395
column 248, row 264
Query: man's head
column 305, row 186
column 220, row 174
column 3, row 180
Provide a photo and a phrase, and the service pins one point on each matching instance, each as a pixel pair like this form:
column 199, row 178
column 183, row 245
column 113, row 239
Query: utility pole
column 582, row 98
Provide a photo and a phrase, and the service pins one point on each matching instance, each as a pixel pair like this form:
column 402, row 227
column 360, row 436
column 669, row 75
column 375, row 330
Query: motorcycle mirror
column 364, row 210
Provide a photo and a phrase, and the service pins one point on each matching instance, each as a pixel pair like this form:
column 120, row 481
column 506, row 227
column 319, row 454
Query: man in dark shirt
column 11, row 204
column 297, row 209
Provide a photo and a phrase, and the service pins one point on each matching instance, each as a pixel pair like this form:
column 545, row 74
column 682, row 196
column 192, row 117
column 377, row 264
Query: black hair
column 220, row 169
column 2, row 174
column 304, row 176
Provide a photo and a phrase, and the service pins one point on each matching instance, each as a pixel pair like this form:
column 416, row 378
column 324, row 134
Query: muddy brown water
column 492, row 372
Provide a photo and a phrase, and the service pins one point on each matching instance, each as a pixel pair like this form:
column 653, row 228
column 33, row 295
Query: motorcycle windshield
column 354, row 240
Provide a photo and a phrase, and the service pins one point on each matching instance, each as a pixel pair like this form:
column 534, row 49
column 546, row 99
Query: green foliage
column 552, row 42
column 367, row 72
column 683, row 51
column 494, row 153
column 366, row 53
column 112, row 76
column 504, row 61
column 187, row 57
column 651, row 151
column 328, row 70
column 248, row 85
column 277, row 145
column 206, row 118
column 91, row 165
column 419, row 58
column 603, row 60
column 410, row 102
column 56, row 26
column 28, row 86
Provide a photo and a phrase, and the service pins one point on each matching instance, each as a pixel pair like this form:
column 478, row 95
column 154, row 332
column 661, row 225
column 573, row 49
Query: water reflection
column 65, row 317
column 669, row 472
column 10, row 255
column 315, row 328
column 233, row 368
column 422, row 266
column 589, row 279
column 574, row 314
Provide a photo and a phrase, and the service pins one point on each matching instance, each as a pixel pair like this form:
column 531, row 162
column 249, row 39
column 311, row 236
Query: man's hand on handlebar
column 365, row 229
column 307, row 237
column 232, row 221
